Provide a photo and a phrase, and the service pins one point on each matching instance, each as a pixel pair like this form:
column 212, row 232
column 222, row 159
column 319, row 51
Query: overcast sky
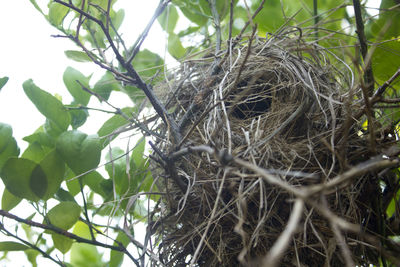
column 29, row 52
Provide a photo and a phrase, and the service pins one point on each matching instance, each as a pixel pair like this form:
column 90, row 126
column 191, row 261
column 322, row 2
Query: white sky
column 29, row 52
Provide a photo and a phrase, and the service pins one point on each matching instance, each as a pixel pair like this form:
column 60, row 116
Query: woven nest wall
column 278, row 104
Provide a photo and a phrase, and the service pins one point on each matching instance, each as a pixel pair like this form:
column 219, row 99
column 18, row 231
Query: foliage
column 62, row 165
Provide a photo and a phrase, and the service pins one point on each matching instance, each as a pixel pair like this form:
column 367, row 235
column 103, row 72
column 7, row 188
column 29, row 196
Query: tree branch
column 367, row 68
column 67, row 234
column 44, row 253
column 278, row 249
column 136, row 46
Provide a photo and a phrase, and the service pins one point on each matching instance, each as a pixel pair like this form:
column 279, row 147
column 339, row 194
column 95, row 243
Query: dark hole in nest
column 251, row 100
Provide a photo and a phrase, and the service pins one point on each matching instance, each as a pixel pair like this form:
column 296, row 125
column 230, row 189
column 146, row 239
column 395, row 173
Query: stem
column 368, row 74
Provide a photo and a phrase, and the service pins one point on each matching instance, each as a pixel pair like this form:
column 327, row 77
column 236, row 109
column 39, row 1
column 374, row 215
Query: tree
column 217, row 187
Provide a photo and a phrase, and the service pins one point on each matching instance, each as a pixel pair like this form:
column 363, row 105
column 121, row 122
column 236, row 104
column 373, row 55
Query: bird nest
column 265, row 125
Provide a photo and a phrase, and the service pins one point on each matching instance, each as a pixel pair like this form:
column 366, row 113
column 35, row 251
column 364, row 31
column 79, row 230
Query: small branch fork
column 132, row 76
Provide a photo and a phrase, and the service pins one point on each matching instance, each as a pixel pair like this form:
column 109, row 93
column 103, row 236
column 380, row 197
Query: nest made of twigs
column 282, row 105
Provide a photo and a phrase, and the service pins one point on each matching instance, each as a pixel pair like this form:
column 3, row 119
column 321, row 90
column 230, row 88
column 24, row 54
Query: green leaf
column 168, row 19
column 148, row 63
column 78, row 116
column 106, row 85
column 63, row 195
column 12, row 246
column 16, row 175
column 9, row 201
column 5, row 135
column 94, row 181
column 64, row 215
column 74, row 80
column 389, row 20
column 62, row 243
column 25, row 178
column 113, row 124
column 84, row 255
column 77, row 56
column 48, row 105
column 391, row 209
column 3, row 82
column 8, row 145
column 41, row 138
column 137, row 153
column 117, row 169
column 73, row 185
column 175, row 47
column 270, row 17
column 80, row 151
column 140, row 211
column 57, row 13
column 117, row 18
column 194, row 11
column 386, row 59
column 51, row 129
column 32, row 254
column 117, row 257
column 38, row 181
column 54, row 168
column 188, row 31
column 36, row 6
column 81, row 229
column 35, row 152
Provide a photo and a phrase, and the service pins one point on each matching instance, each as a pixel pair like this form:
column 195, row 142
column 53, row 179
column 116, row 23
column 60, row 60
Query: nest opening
column 255, row 99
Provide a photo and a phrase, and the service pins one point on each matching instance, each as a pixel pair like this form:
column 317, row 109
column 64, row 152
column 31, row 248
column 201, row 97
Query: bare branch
column 136, row 47
column 278, row 249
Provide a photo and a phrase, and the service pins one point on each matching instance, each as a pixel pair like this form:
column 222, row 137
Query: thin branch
column 135, row 48
column 46, row 255
column 209, row 221
column 217, row 24
column 278, row 249
column 85, row 209
column 230, row 23
column 89, row 108
column 382, row 88
column 340, row 239
column 368, row 75
column 118, row 111
column 374, row 164
column 67, row 234
column 98, row 22
column 239, row 36
column 316, row 18
column 135, row 77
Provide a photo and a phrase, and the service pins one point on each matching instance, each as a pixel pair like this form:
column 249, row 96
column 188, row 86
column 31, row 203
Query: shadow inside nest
column 281, row 105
